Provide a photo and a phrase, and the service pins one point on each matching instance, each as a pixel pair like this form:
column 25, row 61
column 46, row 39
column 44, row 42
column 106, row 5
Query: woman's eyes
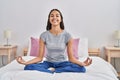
column 55, row 16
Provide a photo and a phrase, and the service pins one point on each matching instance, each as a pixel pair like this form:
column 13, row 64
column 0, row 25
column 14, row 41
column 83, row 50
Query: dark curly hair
column 49, row 24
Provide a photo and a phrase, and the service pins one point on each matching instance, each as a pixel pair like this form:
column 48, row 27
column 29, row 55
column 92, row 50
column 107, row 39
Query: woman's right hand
column 20, row 60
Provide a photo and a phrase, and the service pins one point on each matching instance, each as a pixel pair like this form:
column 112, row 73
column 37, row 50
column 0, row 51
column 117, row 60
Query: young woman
column 56, row 40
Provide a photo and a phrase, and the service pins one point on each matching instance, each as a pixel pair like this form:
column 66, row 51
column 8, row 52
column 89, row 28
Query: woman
column 56, row 39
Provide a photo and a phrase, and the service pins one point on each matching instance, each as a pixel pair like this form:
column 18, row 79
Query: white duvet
column 98, row 70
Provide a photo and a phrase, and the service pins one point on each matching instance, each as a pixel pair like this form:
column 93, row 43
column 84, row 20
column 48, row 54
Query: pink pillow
column 34, row 47
column 34, row 50
column 75, row 48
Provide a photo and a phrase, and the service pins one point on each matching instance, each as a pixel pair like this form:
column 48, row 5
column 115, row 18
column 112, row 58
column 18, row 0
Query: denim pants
column 65, row 66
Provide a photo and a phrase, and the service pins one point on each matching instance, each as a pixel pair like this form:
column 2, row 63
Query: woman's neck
column 56, row 30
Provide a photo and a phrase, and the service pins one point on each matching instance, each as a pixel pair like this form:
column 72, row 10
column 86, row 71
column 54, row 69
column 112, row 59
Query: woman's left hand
column 87, row 62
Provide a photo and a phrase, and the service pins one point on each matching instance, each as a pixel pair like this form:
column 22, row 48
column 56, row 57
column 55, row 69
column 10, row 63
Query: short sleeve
column 43, row 36
column 68, row 37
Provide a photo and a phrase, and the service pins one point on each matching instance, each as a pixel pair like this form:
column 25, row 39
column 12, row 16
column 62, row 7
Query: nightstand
column 8, row 50
column 112, row 52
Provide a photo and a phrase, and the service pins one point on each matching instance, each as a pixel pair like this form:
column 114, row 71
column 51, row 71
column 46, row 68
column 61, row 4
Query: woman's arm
column 72, row 59
column 37, row 59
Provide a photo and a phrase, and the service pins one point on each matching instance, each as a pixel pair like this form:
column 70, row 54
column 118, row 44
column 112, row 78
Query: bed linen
column 98, row 70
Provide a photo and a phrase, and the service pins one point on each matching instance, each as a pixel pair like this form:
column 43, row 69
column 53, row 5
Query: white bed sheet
column 98, row 70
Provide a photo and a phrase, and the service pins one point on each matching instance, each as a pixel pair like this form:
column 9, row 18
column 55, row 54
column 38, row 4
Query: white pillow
column 83, row 48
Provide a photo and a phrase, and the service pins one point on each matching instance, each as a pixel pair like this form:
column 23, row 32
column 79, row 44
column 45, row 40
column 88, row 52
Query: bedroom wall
column 94, row 19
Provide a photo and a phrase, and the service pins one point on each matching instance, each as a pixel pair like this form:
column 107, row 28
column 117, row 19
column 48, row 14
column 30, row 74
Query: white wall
column 95, row 19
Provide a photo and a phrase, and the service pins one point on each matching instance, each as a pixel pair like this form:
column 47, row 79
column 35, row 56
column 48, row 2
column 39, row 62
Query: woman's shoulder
column 44, row 33
column 66, row 32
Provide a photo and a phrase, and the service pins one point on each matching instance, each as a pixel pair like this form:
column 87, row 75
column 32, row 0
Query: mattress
column 98, row 70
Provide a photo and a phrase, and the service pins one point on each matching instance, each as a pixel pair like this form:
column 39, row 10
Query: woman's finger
column 86, row 60
column 90, row 61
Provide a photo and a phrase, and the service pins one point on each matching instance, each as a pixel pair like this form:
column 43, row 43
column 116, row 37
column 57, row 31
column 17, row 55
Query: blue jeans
column 65, row 66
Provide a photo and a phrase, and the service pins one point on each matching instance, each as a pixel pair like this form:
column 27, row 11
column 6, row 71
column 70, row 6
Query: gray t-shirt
column 56, row 45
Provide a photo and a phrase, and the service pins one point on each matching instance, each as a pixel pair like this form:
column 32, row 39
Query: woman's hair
column 49, row 24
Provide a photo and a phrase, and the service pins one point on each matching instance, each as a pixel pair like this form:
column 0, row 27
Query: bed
column 98, row 70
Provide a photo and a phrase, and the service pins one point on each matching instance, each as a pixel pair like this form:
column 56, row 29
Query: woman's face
column 55, row 18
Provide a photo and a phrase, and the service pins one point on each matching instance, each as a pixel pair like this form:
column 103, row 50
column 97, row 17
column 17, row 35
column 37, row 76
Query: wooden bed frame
column 91, row 51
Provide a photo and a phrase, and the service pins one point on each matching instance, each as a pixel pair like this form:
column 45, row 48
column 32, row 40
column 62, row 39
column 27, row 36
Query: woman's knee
column 28, row 67
column 82, row 69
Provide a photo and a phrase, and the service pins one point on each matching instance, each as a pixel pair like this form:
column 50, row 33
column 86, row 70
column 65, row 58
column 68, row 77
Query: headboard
column 91, row 51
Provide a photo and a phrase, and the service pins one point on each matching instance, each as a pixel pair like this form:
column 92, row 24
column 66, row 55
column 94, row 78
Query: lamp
column 117, row 37
column 7, row 36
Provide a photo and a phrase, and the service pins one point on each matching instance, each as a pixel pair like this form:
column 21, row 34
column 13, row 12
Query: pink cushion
column 34, row 51
column 75, row 48
column 34, row 47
